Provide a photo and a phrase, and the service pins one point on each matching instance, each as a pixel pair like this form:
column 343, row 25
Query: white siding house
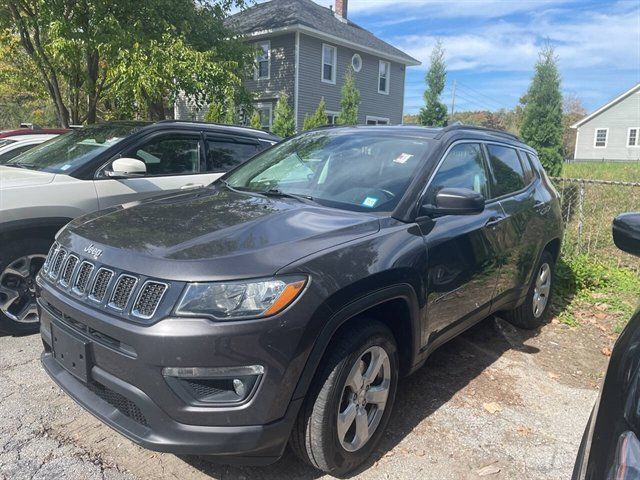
column 612, row 132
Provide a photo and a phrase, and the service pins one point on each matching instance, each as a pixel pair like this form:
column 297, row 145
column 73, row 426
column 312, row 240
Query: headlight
column 238, row 300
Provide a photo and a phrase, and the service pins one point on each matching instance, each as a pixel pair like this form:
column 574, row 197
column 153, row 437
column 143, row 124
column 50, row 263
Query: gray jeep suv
column 282, row 303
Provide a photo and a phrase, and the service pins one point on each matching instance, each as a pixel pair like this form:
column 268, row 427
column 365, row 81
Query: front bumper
column 125, row 387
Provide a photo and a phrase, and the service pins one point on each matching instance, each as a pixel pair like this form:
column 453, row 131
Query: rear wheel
column 535, row 309
column 350, row 400
column 20, row 262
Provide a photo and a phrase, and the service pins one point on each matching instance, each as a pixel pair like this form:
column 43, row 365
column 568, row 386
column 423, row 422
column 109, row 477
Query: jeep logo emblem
column 93, row 251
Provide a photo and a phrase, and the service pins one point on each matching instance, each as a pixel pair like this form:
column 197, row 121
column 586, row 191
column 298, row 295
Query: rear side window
column 224, row 155
column 462, row 168
column 507, row 170
column 167, row 155
column 527, row 163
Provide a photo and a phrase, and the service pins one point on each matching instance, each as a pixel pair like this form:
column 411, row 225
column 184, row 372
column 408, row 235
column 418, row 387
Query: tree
column 349, row 102
column 255, row 121
column 542, row 124
column 284, row 125
column 318, row 119
column 434, row 113
column 572, row 111
column 128, row 56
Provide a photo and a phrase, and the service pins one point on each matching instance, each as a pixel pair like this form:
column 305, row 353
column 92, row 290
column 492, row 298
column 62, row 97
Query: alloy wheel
column 364, row 398
column 541, row 290
column 18, row 288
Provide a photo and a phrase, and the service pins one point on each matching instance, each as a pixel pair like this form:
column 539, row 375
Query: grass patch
column 585, row 284
column 623, row 172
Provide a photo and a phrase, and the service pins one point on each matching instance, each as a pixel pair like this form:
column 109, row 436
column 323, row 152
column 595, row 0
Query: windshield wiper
column 20, row 165
column 274, row 192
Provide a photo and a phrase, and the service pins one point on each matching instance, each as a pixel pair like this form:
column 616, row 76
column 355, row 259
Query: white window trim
column 595, row 138
column 335, row 64
column 331, row 112
column 383, row 92
column 376, row 119
column 637, row 145
column 261, row 106
column 256, row 71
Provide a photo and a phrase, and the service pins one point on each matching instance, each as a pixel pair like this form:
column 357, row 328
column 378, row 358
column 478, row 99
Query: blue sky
column 491, row 45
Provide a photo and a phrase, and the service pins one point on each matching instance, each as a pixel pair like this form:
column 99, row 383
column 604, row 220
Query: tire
column 531, row 315
column 315, row 437
column 20, row 261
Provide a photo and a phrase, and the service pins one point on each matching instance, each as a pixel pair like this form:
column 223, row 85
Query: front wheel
column 350, row 400
column 535, row 309
column 20, row 262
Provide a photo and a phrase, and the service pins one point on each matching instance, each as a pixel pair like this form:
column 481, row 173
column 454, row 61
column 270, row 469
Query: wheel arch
column 39, row 227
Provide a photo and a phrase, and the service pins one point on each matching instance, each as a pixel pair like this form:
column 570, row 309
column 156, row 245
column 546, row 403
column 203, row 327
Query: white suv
column 95, row 168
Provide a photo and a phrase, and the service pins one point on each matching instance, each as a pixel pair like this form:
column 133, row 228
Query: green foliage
column 349, row 102
column 284, row 125
column 542, row 125
column 318, row 119
column 254, row 120
column 434, row 113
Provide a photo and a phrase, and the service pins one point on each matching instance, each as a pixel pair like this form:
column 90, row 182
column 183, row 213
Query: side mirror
column 127, row 167
column 455, row 201
column 626, row 233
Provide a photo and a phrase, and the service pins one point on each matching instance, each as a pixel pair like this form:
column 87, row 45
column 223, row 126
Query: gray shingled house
column 306, row 51
column 612, row 132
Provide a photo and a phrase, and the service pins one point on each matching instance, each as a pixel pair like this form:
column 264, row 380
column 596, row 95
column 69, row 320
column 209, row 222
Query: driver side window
column 463, row 167
column 169, row 155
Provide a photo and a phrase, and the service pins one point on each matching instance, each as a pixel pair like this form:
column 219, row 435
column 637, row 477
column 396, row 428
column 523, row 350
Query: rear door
column 173, row 161
column 513, row 186
column 463, row 250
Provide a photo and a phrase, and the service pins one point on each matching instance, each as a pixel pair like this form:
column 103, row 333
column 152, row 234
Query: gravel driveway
column 495, row 403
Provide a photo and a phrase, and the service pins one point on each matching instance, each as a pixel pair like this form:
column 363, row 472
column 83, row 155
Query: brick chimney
column 341, row 8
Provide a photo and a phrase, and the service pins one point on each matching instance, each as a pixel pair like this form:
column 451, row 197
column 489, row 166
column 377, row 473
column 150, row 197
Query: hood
column 11, row 177
column 216, row 233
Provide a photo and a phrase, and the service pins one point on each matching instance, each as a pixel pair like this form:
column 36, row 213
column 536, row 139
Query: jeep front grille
column 100, row 285
column 148, row 299
column 50, row 255
column 57, row 263
column 69, row 268
column 122, row 291
column 84, row 273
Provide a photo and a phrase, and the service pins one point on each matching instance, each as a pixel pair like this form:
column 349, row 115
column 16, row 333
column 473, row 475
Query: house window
column 383, row 77
column 633, row 140
column 356, row 63
column 377, row 120
column 263, row 67
column 601, row 137
column 332, row 118
column 265, row 111
column 329, row 57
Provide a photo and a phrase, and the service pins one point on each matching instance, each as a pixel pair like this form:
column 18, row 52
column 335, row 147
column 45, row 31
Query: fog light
column 219, row 385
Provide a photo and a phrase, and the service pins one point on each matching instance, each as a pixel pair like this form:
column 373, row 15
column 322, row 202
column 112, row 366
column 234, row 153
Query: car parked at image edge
column 282, row 303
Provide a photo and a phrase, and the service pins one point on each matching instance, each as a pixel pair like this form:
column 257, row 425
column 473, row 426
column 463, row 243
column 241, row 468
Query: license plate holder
column 71, row 351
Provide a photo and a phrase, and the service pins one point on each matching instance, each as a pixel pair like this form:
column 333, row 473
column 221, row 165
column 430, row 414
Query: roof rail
column 494, row 131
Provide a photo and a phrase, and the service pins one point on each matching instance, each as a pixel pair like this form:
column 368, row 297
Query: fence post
column 580, row 215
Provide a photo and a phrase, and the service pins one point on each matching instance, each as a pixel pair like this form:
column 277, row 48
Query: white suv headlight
column 240, row 300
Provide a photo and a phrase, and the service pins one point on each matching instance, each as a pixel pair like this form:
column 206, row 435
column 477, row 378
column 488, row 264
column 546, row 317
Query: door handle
column 191, row 186
column 494, row 221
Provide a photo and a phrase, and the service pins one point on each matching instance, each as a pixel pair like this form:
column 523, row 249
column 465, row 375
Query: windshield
column 6, row 141
column 67, row 152
column 362, row 171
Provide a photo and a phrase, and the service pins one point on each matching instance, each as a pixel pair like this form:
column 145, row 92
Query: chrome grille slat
column 50, row 255
column 149, row 299
column 67, row 271
column 57, row 263
column 82, row 278
column 101, row 284
column 122, row 291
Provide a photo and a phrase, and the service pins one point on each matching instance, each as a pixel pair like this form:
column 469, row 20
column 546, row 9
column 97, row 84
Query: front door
column 462, row 250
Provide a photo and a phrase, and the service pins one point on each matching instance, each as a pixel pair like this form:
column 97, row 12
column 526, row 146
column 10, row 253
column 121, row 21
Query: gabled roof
column 308, row 16
column 613, row 102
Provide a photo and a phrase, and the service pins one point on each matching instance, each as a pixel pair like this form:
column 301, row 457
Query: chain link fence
column 588, row 208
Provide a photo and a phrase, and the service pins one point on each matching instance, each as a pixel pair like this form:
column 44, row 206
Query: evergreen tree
column 318, row 119
column 542, row 124
column 434, row 113
column 284, row 125
column 255, row 121
column 350, row 101
column 215, row 113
